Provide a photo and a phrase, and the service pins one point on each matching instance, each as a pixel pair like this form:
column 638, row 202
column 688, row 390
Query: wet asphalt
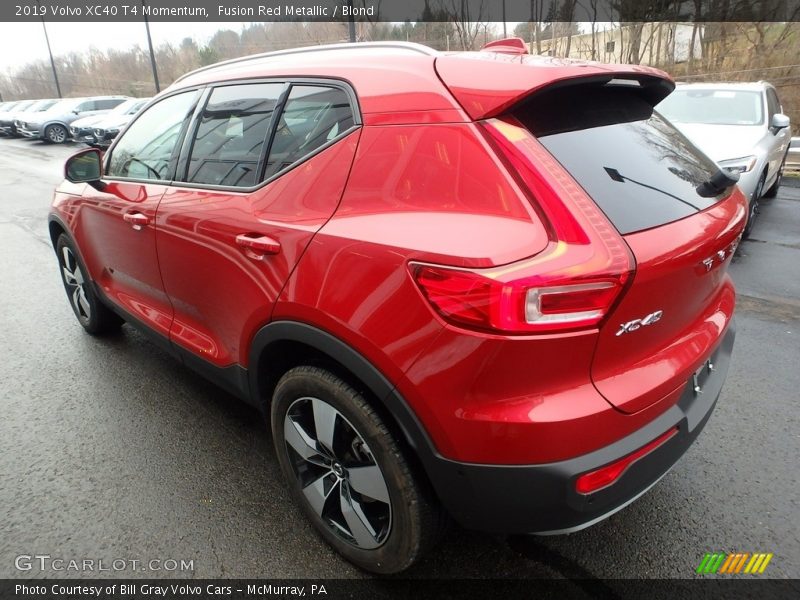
column 111, row 449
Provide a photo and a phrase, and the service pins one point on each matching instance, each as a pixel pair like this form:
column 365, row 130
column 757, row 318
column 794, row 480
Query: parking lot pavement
column 111, row 449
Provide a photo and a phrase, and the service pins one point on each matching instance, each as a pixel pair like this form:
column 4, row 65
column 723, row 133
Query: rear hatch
column 649, row 180
column 652, row 185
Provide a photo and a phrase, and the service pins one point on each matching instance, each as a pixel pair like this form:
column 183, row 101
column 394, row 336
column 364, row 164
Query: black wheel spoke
column 337, row 473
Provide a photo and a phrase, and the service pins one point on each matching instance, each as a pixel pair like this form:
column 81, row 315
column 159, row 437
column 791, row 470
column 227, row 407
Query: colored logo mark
column 734, row 563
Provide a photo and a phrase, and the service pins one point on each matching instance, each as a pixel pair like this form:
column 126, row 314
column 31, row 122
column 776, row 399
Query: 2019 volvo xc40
column 485, row 285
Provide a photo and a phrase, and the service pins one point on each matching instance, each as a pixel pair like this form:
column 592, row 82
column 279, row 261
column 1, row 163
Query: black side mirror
column 717, row 183
column 85, row 167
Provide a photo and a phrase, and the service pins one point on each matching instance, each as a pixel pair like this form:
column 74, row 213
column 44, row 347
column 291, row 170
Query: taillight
column 573, row 283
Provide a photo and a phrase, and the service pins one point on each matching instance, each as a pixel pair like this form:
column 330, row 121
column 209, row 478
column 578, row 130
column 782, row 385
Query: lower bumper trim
column 542, row 499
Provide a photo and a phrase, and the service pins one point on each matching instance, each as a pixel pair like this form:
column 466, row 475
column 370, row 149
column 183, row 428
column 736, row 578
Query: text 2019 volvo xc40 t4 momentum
column 485, row 285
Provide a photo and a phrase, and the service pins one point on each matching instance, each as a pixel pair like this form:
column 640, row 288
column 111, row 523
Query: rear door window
column 313, row 117
column 639, row 169
column 227, row 149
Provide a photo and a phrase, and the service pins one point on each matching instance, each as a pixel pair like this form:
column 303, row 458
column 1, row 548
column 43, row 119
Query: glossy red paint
column 421, row 182
column 487, row 83
column 697, row 306
column 121, row 255
column 232, row 289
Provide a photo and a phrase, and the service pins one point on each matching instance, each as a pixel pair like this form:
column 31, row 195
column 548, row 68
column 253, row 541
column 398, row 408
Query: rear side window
column 639, row 169
column 313, row 116
column 232, row 135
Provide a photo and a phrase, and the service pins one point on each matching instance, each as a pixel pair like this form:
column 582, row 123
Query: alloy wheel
column 56, row 134
column 337, row 473
column 76, row 284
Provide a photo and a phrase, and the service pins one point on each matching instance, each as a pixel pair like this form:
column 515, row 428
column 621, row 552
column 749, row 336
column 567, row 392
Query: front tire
column 56, row 134
column 349, row 474
column 92, row 314
column 753, row 209
column 773, row 190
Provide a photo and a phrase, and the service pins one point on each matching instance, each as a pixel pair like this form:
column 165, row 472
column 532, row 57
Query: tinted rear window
column 639, row 169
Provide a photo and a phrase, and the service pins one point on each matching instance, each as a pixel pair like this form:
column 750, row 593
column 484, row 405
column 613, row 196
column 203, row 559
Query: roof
column 403, row 82
column 389, row 78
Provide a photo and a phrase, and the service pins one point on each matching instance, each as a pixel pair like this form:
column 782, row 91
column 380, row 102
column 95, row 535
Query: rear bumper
column 542, row 498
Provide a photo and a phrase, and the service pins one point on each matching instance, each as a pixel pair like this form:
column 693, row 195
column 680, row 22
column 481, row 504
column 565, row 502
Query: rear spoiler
column 487, row 83
column 512, row 45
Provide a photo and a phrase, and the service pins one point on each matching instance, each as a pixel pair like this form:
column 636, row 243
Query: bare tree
column 468, row 22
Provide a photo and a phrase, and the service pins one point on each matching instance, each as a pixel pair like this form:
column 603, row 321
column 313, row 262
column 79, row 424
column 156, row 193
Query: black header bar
column 101, row 11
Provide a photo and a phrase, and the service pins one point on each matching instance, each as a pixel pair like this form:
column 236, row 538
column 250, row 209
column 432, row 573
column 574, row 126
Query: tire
column 753, row 209
column 773, row 190
column 55, row 134
column 382, row 519
column 92, row 314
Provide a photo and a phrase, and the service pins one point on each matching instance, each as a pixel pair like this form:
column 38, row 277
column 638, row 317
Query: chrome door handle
column 256, row 246
column 136, row 219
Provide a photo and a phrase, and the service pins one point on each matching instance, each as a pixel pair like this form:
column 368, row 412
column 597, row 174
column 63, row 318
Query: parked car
column 100, row 131
column 793, row 157
column 11, row 107
column 420, row 267
column 81, row 130
column 739, row 125
column 8, row 123
column 53, row 124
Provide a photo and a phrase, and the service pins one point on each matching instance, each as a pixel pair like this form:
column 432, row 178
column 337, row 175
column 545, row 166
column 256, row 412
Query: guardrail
column 793, row 158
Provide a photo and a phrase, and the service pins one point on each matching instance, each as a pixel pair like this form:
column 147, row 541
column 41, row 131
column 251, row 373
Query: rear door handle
column 258, row 245
column 136, row 219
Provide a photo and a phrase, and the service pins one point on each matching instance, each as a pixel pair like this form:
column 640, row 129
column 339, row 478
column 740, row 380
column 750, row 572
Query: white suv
column 739, row 125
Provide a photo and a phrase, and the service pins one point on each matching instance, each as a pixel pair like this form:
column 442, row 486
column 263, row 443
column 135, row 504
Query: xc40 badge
column 653, row 317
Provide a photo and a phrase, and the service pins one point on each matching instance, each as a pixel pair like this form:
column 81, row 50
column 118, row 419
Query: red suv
column 486, row 285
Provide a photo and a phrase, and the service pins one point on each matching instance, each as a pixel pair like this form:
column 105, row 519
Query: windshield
column 137, row 106
column 24, row 105
column 124, row 108
column 64, row 106
column 714, row 107
column 41, row 105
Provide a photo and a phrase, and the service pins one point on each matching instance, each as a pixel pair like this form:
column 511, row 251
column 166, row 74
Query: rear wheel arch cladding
column 274, row 338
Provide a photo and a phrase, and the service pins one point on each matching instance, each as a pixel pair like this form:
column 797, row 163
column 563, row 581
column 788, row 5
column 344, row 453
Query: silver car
column 8, row 123
column 93, row 130
column 9, row 108
column 53, row 124
column 741, row 126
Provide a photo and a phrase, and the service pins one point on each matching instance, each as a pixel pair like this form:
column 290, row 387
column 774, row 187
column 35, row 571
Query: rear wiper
column 717, row 183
